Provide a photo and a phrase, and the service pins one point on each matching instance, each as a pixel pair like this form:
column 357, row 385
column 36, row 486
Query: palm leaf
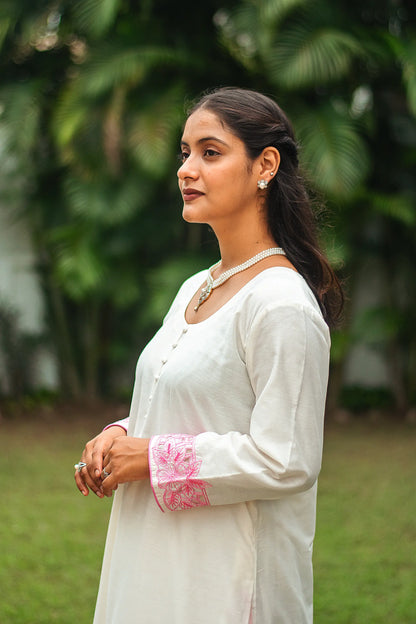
column 113, row 65
column 110, row 69
column 306, row 56
column 78, row 268
column 408, row 59
column 5, row 26
column 26, row 18
column 275, row 11
column 104, row 201
column 401, row 208
column 238, row 33
column 405, row 53
column 20, row 118
column 250, row 28
column 154, row 129
column 333, row 151
column 69, row 115
column 95, row 16
column 79, row 137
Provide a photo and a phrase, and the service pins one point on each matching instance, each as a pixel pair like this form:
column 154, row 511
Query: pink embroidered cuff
column 174, row 468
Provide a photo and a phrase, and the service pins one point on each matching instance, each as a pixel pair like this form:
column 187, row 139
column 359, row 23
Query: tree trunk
column 62, row 335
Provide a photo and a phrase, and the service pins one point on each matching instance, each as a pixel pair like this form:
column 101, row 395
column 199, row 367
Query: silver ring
column 105, row 473
column 80, row 466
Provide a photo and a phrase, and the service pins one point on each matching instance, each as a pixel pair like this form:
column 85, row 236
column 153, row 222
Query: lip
column 189, row 194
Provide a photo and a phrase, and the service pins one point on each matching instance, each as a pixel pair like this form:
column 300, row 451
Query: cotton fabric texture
column 234, row 407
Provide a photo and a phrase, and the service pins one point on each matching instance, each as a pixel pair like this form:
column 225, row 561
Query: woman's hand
column 93, row 455
column 126, row 460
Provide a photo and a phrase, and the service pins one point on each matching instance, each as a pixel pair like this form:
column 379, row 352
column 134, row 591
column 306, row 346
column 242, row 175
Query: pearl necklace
column 211, row 283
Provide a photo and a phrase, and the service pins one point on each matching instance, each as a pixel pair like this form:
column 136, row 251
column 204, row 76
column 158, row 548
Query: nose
column 187, row 169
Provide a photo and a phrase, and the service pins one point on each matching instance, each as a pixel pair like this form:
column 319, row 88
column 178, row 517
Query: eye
column 210, row 153
column 182, row 156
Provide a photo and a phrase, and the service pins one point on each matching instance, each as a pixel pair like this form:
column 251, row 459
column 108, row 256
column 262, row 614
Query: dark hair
column 259, row 122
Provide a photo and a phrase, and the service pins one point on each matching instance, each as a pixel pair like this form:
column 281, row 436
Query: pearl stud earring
column 262, row 184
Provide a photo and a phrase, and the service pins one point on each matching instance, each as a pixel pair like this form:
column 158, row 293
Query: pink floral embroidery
column 177, row 467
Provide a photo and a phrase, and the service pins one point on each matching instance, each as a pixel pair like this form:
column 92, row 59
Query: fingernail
column 97, row 472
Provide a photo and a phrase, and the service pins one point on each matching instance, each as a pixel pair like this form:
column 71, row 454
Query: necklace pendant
column 205, row 293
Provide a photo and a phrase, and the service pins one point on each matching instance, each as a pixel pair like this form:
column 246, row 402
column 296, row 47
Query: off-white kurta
column 234, row 406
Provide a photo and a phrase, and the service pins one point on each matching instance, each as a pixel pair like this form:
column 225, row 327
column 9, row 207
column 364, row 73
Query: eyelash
column 210, row 153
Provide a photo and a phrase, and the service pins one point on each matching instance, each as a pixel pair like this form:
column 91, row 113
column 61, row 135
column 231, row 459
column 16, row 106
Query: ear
column 269, row 161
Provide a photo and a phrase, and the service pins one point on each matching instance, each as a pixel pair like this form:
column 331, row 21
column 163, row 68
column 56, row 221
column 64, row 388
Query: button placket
column 184, row 331
column 163, row 362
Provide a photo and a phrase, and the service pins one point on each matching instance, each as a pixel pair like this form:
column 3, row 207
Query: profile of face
column 217, row 179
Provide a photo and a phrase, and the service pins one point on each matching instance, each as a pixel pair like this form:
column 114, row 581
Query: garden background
column 92, row 100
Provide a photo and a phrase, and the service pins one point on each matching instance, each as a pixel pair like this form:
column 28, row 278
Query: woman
column 225, row 427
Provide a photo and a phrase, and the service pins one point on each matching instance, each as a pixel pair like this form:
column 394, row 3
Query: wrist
column 115, row 430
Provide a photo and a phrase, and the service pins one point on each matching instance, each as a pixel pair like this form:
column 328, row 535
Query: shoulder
column 278, row 300
column 278, row 286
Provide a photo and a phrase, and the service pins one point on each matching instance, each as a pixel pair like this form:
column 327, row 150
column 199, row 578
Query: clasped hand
column 115, row 454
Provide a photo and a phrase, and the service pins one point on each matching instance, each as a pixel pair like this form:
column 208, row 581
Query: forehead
column 204, row 123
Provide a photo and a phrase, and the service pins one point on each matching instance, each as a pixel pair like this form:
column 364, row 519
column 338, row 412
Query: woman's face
column 217, row 180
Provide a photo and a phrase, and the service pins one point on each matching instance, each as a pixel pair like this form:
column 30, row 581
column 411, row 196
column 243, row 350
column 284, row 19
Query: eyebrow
column 205, row 140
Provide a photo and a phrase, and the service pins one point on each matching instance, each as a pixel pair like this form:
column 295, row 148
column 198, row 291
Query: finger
column 93, row 458
column 109, row 483
column 105, row 473
column 99, row 455
column 88, row 451
column 108, row 489
column 86, row 459
column 80, row 483
column 91, row 483
column 96, row 465
column 85, row 473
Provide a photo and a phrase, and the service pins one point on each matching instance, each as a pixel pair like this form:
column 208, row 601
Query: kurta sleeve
column 286, row 352
column 124, row 424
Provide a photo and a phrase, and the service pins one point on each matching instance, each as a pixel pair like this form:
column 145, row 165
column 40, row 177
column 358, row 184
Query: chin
column 191, row 216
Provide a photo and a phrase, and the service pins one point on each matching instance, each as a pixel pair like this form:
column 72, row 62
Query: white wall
column 20, row 290
column 365, row 365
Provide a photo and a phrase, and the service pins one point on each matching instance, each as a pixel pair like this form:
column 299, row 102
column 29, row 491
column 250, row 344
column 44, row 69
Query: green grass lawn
column 52, row 538
column 365, row 547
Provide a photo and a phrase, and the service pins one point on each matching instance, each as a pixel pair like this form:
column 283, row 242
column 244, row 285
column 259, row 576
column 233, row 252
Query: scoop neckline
column 236, row 295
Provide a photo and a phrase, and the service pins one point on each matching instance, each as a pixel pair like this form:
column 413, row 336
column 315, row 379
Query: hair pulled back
column 259, row 123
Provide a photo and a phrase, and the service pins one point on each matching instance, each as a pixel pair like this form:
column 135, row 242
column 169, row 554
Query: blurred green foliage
column 92, row 99
column 359, row 400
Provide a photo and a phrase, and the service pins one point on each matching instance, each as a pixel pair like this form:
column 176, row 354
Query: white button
column 185, row 330
column 150, row 398
column 175, row 344
column 164, row 361
column 157, row 377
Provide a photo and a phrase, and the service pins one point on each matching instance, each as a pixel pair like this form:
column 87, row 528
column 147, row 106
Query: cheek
column 242, row 183
column 230, row 178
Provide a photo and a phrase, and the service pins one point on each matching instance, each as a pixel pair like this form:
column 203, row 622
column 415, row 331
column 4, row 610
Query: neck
column 242, row 238
column 235, row 249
